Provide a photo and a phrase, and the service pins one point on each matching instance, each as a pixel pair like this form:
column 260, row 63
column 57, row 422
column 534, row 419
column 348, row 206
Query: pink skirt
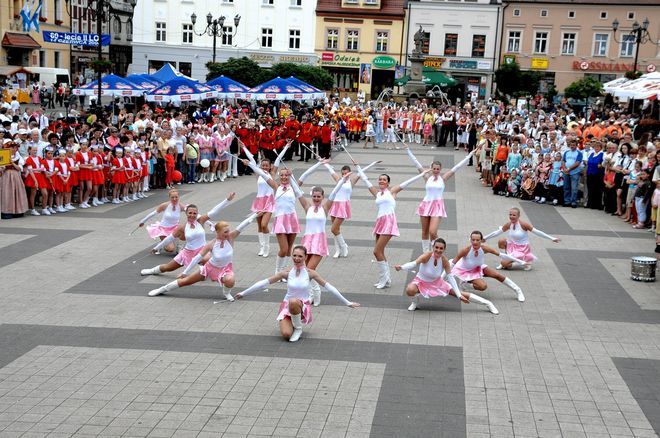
column 286, row 224
column 469, row 275
column 215, row 273
column 522, row 252
column 157, row 230
column 386, row 225
column 316, row 244
column 185, row 256
column 429, row 289
column 284, row 313
column 341, row 209
column 435, row 208
column 263, row 203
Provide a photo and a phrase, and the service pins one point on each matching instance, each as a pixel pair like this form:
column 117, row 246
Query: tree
column 515, row 82
column 584, row 88
column 243, row 70
column 314, row 76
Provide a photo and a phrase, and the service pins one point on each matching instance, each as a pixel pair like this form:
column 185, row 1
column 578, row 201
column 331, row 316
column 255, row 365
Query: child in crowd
column 643, row 194
column 556, row 181
column 631, row 180
column 513, row 184
column 170, row 162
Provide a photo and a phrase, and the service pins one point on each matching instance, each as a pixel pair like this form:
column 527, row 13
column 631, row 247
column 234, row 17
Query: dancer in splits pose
column 192, row 232
column 432, row 208
column 218, row 268
column 169, row 221
column 341, row 206
column 517, row 243
column 386, row 226
column 265, row 200
column 295, row 309
column 434, row 279
column 469, row 266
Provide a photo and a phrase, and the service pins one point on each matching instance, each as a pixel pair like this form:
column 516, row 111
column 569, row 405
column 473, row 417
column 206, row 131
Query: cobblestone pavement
column 84, row 351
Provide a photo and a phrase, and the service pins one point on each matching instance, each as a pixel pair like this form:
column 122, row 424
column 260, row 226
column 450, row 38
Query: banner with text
column 76, row 39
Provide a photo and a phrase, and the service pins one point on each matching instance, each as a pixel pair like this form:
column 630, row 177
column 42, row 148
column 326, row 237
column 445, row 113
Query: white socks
column 227, row 293
column 491, row 306
column 161, row 290
column 151, row 271
column 515, row 288
column 296, row 321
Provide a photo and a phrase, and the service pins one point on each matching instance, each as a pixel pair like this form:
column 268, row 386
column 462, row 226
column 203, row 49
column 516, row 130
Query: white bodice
column 434, row 189
column 64, row 165
column 222, row 253
column 385, row 203
column 297, row 286
column 50, row 165
column 345, row 192
column 471, row 261
column 428, row 272
column 195, row 237
column 315, row 220
column 171, row 215
column 517, row 235
column 263, row 189
column 285, row 201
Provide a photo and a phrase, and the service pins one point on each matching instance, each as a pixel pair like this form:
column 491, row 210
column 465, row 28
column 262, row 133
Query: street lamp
column 215, row 27
column 103, row 11
column 640, row 32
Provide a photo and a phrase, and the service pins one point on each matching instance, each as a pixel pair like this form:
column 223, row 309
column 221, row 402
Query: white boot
column 344, row 247
column 227, row 293
column 296, row 321
column 212, row 178
column 426, row 245
column 261, row 244
column 337, row 248
column 491, row 306
column 151, row 271
column 161, row 290
column 413, row 302
column 315, row 292
column 383, row 275
column 513, row 286
column 279, row 264
column 266, row 245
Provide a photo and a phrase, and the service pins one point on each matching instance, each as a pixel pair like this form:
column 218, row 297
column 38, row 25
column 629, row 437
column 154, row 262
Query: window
column 425, row 46
column 544, row 13
column 296, row 3
column 603, row 15
column 187, row 33
column 227, row 36
column 42, row 58
column 371, row 2
column 513, row 46
column 600, row 44
column 186, row 68
column 627, row 45
column 266, row 37
column 451, row 44
column 116, row 28
column 382, row 41
column 57, row 59
column 332, row 39
column 478, row 46
column 294, row 38
column 571, row 14
column 541, row 42
column 58, row 9
column 568, row 43
column 129, row 30
column 351, row 2
column 631, row 15
column 352, row 40
column 161, row 31
column 267, row 2
column 516, row 12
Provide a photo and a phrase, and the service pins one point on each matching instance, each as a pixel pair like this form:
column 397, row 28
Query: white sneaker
column 387, row 283
column 69, row 207
column 95, row 203
column 34, row 212
column 527, row 268
column 52, row 210
column 135, row 198
column 61, row 209
column 499, row 267
column 83, row 205
column 156, row 292
column 295, row 335
column 413, row 306
column 45, row 211
column 228, row 296
column 116, row 201
column 542, row 201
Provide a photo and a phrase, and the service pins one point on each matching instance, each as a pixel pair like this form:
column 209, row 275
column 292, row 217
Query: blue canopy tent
column 180, row 90
column 111, row 85
column 144, row 81
column 318, row 94
column 278, row 89
column 167, row 73
column 228, row 88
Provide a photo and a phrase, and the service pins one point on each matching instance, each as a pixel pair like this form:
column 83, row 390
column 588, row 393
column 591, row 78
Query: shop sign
column 601, row 66
column 294, row 59
column 539, row 63
column 509, row 59
column 462, row 64
column 260, row 58
column 383, row 62
column 434, row 62
column 331, row 59
column 484, row 65
column 650, row 68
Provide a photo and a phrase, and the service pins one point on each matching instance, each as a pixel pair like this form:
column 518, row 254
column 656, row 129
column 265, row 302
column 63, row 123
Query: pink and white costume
column 195, row 241
column 315, row 240
column 433, row 203
column 285, row 218
column 429, row 279
column 265, row 201
column 297, row 287
column 220, row 263
column 471, row 267
column 168, row 222
column 517, row 244
column 386, row 219
column 341, row 205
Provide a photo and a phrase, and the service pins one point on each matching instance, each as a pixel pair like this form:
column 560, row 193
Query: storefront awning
column 430, row 77
column 19, row 40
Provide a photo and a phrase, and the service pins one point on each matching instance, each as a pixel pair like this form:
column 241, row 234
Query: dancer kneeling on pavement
column 517, row 244
column 433, row 278
column 169, row 221
column 469, row 266
column 296, row 308
column 218, row 268
column 192, row 232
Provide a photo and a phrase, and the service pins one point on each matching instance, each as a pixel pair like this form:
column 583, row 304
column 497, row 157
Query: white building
column 270, row 31
column 463, row 41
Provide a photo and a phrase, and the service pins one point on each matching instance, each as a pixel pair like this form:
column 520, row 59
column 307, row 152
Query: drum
column 643, row 268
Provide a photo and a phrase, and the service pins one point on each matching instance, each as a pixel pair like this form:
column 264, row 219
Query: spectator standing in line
column 571, row 167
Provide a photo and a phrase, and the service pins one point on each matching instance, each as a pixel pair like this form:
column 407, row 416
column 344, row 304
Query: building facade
column 463, row 42
column 360, row 42
column 22, row 24
column 569, row 40
column 269, row 32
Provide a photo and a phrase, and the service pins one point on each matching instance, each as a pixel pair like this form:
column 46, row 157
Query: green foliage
column 633, row 74
column 248, row 72
column 584, row 88
column 101, row 65
column 512, row 81
column 552, row 92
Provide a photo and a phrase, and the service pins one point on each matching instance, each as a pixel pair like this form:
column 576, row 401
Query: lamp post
column 103, row 11
column 215, row 27
column 641, row 34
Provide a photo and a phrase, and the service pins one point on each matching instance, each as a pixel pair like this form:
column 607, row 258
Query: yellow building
column 360, row 42
column 22, row 23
